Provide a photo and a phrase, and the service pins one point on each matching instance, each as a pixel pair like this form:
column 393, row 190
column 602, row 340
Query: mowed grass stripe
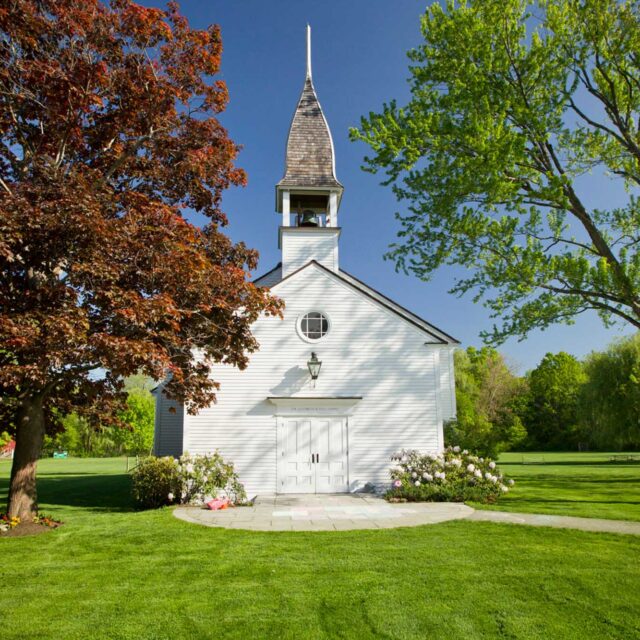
column 572, row 484
column 114, row 573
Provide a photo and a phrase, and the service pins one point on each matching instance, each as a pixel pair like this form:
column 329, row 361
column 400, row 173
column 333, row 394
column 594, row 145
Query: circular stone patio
column 326, row 512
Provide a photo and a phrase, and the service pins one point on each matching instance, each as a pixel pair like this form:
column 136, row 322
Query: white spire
column 308, row 51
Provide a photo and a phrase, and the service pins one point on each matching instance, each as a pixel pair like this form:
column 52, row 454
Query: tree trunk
column 22, row 500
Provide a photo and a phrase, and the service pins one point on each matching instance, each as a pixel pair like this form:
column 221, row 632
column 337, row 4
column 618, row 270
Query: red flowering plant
column 7, row 523
column 47, row 521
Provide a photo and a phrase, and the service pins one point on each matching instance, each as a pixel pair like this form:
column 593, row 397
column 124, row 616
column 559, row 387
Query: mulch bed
column 27, row 529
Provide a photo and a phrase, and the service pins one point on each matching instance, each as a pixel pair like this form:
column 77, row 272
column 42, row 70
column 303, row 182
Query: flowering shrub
column 153, row 481
column 189, row 479
column 450, row 476
column 209, row 476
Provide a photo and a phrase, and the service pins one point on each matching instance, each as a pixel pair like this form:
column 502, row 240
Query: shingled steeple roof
column 310, row 160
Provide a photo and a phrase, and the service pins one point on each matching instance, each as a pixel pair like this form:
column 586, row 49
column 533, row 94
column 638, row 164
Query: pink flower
column 397, row 484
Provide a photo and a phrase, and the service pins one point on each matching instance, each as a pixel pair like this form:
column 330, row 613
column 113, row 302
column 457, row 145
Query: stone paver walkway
column 340, row 512
column 560, row 522
column 350, row 511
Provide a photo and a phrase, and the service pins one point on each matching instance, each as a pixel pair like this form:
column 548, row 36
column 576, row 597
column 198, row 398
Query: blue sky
column 359, row 62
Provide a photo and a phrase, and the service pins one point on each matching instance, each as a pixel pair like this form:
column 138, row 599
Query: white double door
column 312, row 455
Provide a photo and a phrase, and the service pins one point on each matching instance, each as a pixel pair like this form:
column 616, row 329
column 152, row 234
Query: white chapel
column 347, row 378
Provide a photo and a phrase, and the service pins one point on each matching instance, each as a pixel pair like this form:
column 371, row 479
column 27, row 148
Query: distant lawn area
column 113, row 573
column 574, row 484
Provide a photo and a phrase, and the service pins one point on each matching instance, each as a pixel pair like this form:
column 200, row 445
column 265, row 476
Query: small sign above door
column 314, row 405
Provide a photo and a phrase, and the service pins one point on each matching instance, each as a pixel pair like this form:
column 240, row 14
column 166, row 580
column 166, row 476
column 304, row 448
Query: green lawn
column 574, row 484
column 112, row 573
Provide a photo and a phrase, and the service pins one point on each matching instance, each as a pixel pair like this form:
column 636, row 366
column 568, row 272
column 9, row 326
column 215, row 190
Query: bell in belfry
column 309, row 219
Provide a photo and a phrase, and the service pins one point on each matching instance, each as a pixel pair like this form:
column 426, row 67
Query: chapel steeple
column 310, row 160
column 309, row 189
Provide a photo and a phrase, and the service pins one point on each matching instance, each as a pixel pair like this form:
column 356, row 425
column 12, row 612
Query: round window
column 314, row 325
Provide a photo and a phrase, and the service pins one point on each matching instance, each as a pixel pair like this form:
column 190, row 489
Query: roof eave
column 390, row 305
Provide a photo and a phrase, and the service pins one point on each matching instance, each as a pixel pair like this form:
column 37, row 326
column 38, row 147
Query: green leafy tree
column 139, row 381
column 78, row 437
column 610, row 400
column 552, row 411
column 512, row 103
column 131, row 434
column 137, row 435
column 488, row 398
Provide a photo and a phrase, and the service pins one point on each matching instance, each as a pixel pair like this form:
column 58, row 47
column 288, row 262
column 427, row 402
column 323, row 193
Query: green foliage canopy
column 137, row 436
column 131, row 434
column 610, row 399
column 512, row 103
column 488, row 399
column 552, row 407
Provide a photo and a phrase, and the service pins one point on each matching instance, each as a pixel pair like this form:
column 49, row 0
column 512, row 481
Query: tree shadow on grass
column 564, row 482
column 573, row 463
column 42, row 474
column 561, row 501
column 97, row 493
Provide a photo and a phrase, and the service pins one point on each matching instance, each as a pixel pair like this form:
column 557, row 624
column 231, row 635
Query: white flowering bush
column 158, row 482
column 206, row 477
column 454, row 475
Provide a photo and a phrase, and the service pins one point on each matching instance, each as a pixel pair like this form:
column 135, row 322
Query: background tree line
column 562, row 404
column 132, row 434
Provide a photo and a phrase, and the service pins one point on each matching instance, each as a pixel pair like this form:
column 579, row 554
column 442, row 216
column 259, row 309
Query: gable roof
column 274, row 277
column 270, row 278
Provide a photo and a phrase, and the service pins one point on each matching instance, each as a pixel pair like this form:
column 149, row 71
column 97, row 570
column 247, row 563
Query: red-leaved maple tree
column 109, row 131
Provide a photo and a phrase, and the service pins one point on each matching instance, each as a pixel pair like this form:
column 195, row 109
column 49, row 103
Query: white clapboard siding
column 168, row 426
column 433, row 333
column 369, row 351
column 447, row 383
column 299, row 245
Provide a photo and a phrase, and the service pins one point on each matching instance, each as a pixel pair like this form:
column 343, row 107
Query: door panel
column 296, row 473
column 312, row 455
column 330, row 446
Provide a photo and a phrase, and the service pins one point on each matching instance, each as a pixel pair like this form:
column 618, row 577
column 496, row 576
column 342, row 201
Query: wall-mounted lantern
column 314, row 366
